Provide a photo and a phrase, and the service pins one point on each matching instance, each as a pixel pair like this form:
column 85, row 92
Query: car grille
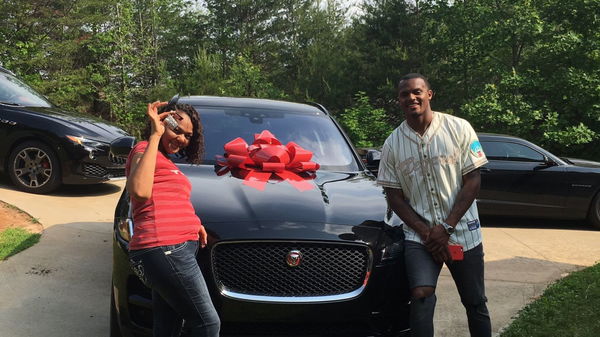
column 260, row 268
column 116, row 172
column 95, row 170
column 116, row 160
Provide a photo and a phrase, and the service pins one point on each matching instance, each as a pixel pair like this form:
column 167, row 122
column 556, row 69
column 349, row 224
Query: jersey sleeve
column 473, row 156
column 387, row 175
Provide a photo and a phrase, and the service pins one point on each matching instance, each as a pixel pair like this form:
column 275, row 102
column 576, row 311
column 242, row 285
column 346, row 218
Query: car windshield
column 15, row 92
column 314, row 132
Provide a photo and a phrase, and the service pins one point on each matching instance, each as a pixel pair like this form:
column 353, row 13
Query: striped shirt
column 429, row 170
column 167, row 217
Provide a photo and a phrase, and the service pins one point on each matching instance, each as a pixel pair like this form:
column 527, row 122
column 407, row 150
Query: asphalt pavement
column 61, row 286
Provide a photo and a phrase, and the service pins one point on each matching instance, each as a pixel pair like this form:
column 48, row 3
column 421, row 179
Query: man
column 430, row 172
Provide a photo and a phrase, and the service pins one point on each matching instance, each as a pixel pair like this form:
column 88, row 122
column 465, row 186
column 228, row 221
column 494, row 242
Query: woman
column 167, row 232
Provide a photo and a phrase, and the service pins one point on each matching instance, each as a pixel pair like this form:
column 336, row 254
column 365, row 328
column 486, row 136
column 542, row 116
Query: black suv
column 43, row 146
column 321, row 262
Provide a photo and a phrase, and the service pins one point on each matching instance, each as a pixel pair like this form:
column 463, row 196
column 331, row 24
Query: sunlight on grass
column 570, row 307
column 14, row 240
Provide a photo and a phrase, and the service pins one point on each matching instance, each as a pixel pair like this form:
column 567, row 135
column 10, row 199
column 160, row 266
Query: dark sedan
column 43, row 146
column 524, row 180
column 318, row 258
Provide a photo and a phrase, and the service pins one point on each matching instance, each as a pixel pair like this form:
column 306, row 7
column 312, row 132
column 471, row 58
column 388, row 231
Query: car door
column 7, row 123
column 521, row 181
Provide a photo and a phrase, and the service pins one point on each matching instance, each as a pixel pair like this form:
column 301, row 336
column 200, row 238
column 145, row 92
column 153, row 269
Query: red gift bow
column 267, row 156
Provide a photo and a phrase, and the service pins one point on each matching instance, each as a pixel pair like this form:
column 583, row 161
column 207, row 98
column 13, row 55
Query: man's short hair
column 410, row 76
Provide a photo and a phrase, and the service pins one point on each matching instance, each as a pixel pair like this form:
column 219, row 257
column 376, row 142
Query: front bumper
column 380, row 310
column 90, row 166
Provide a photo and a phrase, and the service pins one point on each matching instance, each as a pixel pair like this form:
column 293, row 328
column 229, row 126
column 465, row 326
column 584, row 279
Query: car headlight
column 88, row 144
column 392, row 251
column 84, row 141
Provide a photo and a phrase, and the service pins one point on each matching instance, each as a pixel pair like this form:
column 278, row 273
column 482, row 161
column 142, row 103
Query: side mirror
column 547, row 162
column 121, row 147
column 373, row 157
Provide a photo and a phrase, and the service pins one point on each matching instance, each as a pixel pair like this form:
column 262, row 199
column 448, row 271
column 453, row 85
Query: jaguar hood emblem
column 293, row 258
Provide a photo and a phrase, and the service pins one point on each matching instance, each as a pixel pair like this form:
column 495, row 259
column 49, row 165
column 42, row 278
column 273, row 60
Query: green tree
column 204, row 76
column 45, row 43
column 365, row 125
column 388, row 42
column 319, row 64
column 247, row 80
column 546, row 87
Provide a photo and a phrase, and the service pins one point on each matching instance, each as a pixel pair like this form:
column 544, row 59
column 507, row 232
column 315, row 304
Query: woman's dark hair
column 195, row 150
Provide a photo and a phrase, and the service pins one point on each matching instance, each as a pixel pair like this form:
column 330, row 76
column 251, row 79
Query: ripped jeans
column 423, row 271
column 179, row 292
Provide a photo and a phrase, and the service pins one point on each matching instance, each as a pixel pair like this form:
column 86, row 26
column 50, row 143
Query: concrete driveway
column 521, row 258
column 61, row 286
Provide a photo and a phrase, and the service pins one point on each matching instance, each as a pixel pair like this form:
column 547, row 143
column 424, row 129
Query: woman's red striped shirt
column 167, row 217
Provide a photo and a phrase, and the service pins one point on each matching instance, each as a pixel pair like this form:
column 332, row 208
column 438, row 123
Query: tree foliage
column 366, row 125
column 523, row 67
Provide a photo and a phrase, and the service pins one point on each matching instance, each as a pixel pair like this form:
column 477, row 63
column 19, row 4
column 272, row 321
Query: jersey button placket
column 429, row 180
column 428, row 168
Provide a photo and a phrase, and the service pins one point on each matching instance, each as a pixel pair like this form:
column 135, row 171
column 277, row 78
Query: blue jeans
column 179, row 292
column 423, row 271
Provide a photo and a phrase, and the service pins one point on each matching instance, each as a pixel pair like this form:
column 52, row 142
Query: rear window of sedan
column 510, row 151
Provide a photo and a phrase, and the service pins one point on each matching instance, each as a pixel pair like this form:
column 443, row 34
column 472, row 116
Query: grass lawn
column 568, row 308
column 14, row 240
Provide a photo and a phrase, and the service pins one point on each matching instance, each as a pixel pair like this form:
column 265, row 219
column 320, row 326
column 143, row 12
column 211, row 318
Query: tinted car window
column 314, row 132
column 13, row 91
column 510, row 151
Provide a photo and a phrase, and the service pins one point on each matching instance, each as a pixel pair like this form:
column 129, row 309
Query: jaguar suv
column 313, row 253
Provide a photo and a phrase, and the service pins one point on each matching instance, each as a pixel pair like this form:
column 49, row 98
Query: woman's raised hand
column 156, row 119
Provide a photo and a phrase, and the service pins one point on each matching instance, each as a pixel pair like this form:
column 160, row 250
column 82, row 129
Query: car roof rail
column 319, row 106
column 4, row 70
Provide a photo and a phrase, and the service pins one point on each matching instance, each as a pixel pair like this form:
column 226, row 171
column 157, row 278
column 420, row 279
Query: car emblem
column 293, row 258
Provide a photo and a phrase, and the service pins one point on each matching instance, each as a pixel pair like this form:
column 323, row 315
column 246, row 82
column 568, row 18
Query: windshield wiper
column 10, row 103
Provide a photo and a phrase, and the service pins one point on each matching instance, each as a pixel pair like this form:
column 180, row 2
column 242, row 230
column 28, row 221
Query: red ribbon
column 267, row 157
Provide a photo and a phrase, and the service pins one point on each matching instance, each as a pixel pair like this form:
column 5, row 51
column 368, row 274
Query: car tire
column 115, row 329
column 33, row 167
column 594, row 212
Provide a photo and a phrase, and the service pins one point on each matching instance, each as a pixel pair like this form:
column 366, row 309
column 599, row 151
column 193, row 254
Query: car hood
column 340, row 205
column 81, row 124
column 583, row 162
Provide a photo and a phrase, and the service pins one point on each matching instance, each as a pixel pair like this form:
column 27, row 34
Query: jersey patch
column 473, row 224
column 476, row 149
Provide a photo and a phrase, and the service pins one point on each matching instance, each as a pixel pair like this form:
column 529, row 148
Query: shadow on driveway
column 513, row 222
column 69, row 190
column 62, row 284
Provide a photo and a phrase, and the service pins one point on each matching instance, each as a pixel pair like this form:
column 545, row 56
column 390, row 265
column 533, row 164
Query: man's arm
column 438, row 238
column 398, row 204
column 465, row 198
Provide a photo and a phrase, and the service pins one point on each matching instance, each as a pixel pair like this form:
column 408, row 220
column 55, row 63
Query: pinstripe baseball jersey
column 429, row 170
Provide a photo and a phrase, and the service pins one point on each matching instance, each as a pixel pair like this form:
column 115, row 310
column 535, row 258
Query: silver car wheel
column 32, row 167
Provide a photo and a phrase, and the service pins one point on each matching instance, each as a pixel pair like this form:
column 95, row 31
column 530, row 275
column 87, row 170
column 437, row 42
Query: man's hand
column 424, row 232
column 442, row 257
column 437, row 241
